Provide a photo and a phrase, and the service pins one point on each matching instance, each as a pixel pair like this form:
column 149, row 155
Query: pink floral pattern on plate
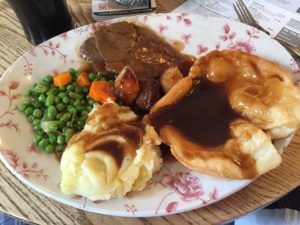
column 10, row 109
column 187, row 186
column 22, row 167
column 174, row 189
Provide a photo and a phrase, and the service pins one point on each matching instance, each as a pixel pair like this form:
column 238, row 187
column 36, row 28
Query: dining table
column 22, row 202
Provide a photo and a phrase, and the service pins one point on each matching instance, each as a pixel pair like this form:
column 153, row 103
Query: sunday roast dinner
column 219, row 114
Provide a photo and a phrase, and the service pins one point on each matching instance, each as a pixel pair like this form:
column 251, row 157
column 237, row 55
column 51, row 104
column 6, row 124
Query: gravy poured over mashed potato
column 114, row 154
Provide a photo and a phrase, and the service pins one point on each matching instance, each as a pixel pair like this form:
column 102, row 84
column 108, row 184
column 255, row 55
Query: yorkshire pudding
column 220, row 120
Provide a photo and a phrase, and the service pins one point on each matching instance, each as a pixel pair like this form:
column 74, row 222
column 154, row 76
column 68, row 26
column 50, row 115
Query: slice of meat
column 126, row 44
column 89, row 52
column 159, row 55
column 115, row 41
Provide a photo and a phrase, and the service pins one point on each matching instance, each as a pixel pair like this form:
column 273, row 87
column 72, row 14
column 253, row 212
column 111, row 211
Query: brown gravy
column 166, row 154
column 203, row 115
column 114, row 148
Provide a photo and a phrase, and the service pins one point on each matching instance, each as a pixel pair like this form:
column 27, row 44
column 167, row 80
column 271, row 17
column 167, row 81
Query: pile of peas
column 56, row 113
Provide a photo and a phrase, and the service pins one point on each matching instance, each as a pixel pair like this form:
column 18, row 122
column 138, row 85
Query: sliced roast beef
column 89, row 52
column 126, row 44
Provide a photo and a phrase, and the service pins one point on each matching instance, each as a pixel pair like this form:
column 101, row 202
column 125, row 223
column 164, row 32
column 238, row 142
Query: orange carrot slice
column 83, row 80
column 62, row 79
column 101, row 91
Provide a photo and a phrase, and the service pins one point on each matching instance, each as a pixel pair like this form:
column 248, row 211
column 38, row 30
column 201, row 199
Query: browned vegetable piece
column 127, row 85
column 169, row 78
column 149, row 94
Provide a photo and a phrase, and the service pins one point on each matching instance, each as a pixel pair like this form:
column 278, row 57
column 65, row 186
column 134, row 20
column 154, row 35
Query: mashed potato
column 112, row 156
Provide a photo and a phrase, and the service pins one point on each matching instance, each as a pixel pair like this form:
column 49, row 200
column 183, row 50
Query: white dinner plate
column 175, row 188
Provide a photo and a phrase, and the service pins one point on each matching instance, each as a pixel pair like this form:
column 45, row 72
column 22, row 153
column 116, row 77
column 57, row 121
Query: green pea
column 77, row 73
column 51, row 116
column 65, row 117
column 69, row 133
column 80, row 108
column 99, row 77
column 42, row 98
column 91, row 102
column 22, row 107
column 37, row 138
column 43, row 143
column 37, row 104
column 36, row 122
column 41, row 88
column 49, row 149
column 52, row 138
column 37, row 127
column 84, row 113
column 50, row 100
column 70, row 87
column 68, row 125
column 59, row 148
column 65, row 128
column 71, row 109
column 61, row 140
column 60, row 107
column 57, row 100
column 72, row 71
column 58, row 115
column 62, row 95
column 28, row 111
column 30, row 118
column 75, row 95
column 78, row 90
column 77, row 103
column 66, row 100
column 53, row 91
column 37, row 113
column 111, row 81
column 27, row 101
column 28, row 92
column 40, row 132
column 52, row 110
column 48, row 79
column 62, row 88
column 92, row 77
